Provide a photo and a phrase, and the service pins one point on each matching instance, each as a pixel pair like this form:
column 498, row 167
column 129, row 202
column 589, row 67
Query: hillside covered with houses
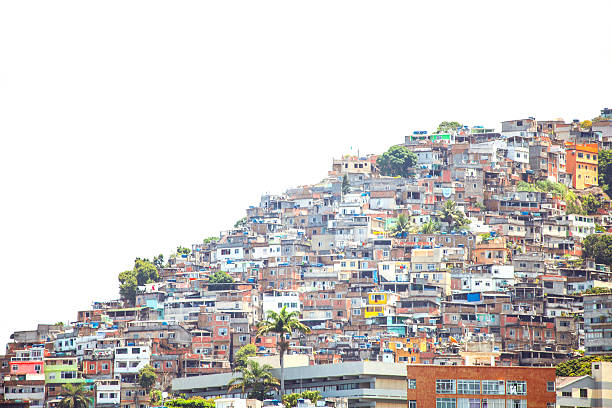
column 462, row 246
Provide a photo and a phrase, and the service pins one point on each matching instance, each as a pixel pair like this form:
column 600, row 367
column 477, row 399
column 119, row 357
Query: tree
column 579, row 366
column 598, row 247
column 402, row 226
column 75, row 396
column 444, row 127
column 290, row 400
column 453, row 216
column 586, row 125
column 346, row 186
column 210, row 240
column 220, row 277
column 254, row 379
column 182, row 250
column 241, row 222
column 396, row 161
column 591, row 204
column 283, row 323
column 155, row 397
column 605, row 171
column 128, row 286
column 430, row 227
column 145, row 272
column 242, row 356
column 147, row 377
column 158, row 261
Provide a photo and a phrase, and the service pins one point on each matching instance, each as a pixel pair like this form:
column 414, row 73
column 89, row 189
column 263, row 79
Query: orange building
column 408, row 349
column 581, row 163
column 482, row 386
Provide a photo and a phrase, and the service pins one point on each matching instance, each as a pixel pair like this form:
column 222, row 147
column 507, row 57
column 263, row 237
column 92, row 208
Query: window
column 168, row 364
column 468, row 403
column 68, row 374
column 550, row 386
column 493, row 387
column 445, row 387
column 105, row 366
column 412, row 383
column 516, row 403
column 516, row 387
column 92, row 367
column 446, row 403
column 412, row 404
column 583, row 393
column 493, row 403
column 121, row 351
column 566, row 394
column 468, row 387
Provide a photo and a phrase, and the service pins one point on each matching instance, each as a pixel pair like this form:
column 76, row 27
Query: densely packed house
column 374, row 265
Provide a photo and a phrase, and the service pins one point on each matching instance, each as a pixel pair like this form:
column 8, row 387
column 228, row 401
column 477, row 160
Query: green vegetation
column 346, row 186
column 210, row 239
column 403, row 226
column 283, row 323
column 158, row 261
column 147, row 377
column 396, row 161
column 143, row 272
column 445, row 126
column 430, row 227
column 573, row 204
column 255, row 380
column 590, row 204
column 241, row 222
column 75, row 396
column 155, row 397
column 242, row 356
column 182, row 251
column 597, row 291
column 220, row 277
column 195, row 402
column 579, row 366
column 604, row 160
column 290, row 400
column 453, row 216
column 598, row 247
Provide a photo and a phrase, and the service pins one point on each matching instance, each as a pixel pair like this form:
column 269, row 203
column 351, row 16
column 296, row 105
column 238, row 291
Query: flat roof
column 352, row 368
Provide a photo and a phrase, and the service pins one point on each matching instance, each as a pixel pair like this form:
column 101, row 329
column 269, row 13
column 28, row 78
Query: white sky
column 130, row 127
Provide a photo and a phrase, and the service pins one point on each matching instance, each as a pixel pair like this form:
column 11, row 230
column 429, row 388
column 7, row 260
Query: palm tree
column 403, row 226
column 454, row 217
column 75, row 396
column 255, row 379
column 430, row 227
column 283, row 323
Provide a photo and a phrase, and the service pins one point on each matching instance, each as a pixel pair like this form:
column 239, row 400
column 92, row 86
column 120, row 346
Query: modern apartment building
column 430, row 386
column 598, row 324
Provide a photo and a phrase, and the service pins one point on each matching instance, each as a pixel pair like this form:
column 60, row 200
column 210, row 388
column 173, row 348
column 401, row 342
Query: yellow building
column 380, row 304
column 408, row 349
column 581, row 163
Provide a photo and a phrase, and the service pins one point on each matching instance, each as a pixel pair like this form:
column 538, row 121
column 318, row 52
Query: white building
column 130, row 359
column 276, row 300
column 108, row 392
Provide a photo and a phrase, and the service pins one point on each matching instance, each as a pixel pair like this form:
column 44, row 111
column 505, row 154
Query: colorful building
column 581, row 163
column 482, row 386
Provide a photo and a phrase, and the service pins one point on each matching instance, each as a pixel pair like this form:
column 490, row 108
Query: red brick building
column 431, row 386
